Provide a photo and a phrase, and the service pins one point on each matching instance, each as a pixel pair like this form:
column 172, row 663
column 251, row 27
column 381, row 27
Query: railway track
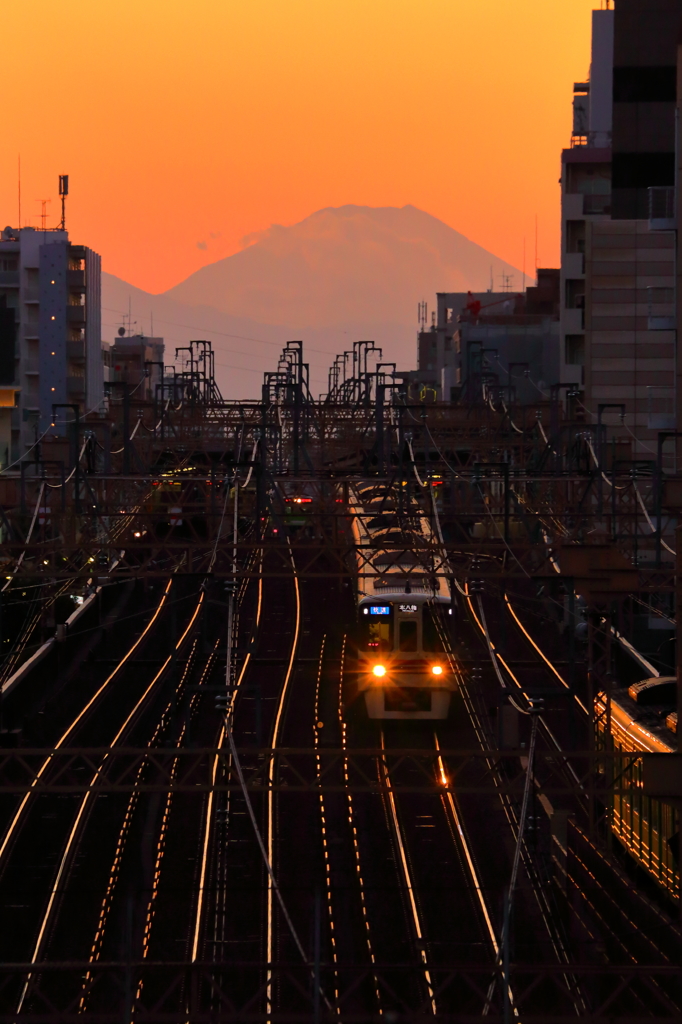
column 366, row 900
column 58, row 868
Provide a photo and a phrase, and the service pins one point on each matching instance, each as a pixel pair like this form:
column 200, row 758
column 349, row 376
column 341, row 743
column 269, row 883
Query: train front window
column 408, row 635
column 376, row 628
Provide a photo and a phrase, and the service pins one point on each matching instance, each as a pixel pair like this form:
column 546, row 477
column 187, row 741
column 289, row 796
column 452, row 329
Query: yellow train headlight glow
column 379, row 670
column 437, row 670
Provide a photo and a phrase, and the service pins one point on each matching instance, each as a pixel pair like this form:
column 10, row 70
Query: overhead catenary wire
column 510, row 815
column 546, row 729
column 28, row 537
column 55, row 422
column 414, row 465
column 588, row 441
column 546, row 660
column 73, row 471
column 494, row 656
column 648, row 519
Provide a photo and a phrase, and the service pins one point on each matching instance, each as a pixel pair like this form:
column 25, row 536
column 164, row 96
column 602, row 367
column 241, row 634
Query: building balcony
column 75, row 386
column 9, row 279
column 597, row 204
column 573, row 321
column 75, row 280
column 75, row 314
column 574, row 264
column 572, row 206
column 662, row 208
column 75, row 350
column 31, row 294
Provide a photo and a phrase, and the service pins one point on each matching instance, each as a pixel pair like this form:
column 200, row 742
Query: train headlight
column 436, row 670
column 379, row 670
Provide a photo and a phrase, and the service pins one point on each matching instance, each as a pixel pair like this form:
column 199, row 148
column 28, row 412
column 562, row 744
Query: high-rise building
column 618, row 249
column 50, row 328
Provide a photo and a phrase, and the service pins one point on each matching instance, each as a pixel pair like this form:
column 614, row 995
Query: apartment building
column 503, row 340
column 618, row 339
column 50, row 329
column 137, row 360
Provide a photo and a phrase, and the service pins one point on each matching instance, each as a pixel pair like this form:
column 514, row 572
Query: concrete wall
column 53, row 334
column 94, row 369
column 627, row 352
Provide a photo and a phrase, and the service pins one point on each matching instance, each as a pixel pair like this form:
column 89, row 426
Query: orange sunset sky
column 184, row 126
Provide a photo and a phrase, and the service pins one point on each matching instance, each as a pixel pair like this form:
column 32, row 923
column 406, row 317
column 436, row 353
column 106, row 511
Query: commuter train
column 398, row 667
column 643, row 717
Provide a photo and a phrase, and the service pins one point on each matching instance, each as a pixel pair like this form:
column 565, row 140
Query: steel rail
column 270, row 925
column 79, row 717
column 351, row 821
column 114, row 872
column 85, row 803
column 407, row 879
column 510, row 814
column 214, row 772
column 323, row 823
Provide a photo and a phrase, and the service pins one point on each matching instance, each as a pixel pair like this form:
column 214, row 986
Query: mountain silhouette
column 340, row 275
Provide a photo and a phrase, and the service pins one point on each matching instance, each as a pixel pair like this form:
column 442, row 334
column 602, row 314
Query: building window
column 575, row 294
column 575, row 349
column 575, row 236
column 645, row 84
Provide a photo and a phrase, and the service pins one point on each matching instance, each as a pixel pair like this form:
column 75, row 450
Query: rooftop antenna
column 536, row 245
column 43, row 215
column 19, row 185
column 127, row 328
column 422, row 315
column 524, row 264
column 491, row 278
column 507, row 282
column 63, row 192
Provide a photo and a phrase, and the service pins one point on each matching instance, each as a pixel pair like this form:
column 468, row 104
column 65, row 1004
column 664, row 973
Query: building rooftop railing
column 510, row 319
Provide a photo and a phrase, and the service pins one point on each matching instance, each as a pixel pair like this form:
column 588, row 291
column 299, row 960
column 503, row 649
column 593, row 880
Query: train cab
column 402, row 670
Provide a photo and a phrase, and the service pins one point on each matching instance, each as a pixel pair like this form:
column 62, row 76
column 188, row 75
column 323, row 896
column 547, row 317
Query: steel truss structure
column 199, row 992
column 503, row 483
column 303, row 770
